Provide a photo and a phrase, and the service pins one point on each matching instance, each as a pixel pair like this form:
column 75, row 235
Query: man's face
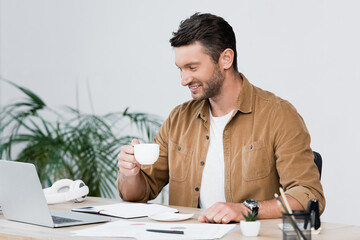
column 198, row 71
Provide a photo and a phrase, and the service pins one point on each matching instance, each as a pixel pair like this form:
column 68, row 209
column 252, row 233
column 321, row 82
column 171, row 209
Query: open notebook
column 127, row 210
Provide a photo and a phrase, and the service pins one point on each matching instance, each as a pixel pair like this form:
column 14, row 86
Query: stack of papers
column 123, row 228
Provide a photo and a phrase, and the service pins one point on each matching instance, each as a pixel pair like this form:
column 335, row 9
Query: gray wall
column 307, row 52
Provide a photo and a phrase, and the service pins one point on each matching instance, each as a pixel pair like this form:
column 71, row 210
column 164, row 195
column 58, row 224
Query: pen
column 86, row 208
column 165, row 231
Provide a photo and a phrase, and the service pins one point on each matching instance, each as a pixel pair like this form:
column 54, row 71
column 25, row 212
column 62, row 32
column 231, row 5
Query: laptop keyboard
column 59, row 220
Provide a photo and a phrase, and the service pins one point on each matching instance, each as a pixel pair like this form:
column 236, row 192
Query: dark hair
column 213, row 32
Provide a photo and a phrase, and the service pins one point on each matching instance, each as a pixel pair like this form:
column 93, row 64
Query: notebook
column 127, row 210
column 22, row 199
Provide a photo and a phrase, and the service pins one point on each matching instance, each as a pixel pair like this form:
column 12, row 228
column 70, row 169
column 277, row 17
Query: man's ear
column 226, row 58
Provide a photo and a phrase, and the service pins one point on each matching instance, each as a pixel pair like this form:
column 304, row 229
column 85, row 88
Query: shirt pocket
column 179, row 161
column 255, row 161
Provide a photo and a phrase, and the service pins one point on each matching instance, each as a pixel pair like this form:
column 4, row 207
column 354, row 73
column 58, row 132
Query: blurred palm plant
column 78, row 146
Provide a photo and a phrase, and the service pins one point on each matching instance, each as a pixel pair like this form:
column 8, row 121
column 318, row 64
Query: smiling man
column 231, row 147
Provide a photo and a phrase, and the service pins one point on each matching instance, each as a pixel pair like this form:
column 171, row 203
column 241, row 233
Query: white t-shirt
column 212, row 181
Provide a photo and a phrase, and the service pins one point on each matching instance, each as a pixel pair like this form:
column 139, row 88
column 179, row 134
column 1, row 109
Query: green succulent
column 252, row 216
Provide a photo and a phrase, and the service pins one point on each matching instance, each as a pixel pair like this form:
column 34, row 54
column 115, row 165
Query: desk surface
column 269, row 228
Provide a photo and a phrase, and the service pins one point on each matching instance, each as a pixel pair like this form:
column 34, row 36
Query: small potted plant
column 250, row 226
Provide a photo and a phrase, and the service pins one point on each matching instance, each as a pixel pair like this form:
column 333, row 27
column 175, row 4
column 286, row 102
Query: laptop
column 22, row 199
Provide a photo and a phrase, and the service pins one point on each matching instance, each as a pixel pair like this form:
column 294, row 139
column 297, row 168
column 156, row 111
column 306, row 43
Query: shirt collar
column 245, row 98
column 203, row 111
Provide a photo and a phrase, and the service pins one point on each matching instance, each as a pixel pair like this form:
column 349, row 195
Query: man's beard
column 212, row 87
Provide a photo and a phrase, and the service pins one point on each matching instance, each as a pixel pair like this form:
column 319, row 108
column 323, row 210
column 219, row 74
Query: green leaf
column 251, row 216
column 35, row 99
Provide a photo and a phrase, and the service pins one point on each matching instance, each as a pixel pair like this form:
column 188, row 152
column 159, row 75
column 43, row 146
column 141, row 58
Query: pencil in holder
column 296, row 226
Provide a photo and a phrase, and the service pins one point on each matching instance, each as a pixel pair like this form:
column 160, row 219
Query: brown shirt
column 266, row 145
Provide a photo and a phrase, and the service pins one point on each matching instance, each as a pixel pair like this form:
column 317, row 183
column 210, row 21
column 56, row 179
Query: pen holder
column 296, row 226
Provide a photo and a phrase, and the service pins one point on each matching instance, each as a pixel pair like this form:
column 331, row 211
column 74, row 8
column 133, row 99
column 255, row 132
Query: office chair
column 318, row 161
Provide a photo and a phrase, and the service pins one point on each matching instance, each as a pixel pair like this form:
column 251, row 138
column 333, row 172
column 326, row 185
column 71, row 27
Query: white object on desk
column 170, row 216
column 250, row 228
column 125, row 228
column 66, row 190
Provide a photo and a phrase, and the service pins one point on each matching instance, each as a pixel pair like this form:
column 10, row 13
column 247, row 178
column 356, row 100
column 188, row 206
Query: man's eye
column 192, row 68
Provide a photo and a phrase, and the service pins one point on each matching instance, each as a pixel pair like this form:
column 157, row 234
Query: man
column 231, row 147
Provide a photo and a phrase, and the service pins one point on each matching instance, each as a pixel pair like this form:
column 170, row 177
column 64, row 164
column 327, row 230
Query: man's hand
column 222, row 212
column 131, row 183
column 127, row 163
column 226, row 212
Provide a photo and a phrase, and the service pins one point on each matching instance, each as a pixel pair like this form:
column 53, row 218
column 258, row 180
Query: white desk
column 269, row 228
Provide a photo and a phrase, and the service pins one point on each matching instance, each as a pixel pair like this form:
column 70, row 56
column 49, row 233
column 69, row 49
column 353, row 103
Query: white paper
column 123, row 228
column 128, row 210
column 170, row 217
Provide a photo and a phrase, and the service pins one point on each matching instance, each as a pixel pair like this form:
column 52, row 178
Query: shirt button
column 251, row 147
column 207, row 137
column 179, row 148
column 202, row 163
column 197, row 189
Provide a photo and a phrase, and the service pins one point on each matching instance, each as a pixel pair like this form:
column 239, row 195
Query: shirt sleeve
column 299, row 175
column 157, row 175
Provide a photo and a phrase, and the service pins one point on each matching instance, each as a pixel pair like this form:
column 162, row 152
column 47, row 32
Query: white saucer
column 170, row 216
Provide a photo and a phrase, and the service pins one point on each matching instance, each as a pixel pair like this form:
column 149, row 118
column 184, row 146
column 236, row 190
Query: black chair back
column 318, row 161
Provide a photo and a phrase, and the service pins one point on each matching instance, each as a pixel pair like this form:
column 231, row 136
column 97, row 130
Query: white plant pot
column 250, row 229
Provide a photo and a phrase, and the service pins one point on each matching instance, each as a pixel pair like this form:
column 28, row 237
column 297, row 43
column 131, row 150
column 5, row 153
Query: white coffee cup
column 146, row 153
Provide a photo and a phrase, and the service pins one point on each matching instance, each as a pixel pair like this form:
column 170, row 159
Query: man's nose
column 185, row 78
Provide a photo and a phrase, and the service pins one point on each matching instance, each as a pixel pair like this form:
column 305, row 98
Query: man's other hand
column 222, row 212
